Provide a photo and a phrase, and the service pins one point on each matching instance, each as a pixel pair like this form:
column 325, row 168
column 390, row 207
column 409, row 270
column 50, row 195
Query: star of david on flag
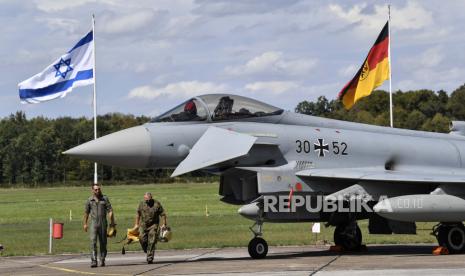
column 73, row 69
column 63, row 63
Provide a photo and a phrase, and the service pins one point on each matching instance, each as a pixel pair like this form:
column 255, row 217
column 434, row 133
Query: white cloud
column 133, row 21
column 272, row 63
column 67, row 24
column 240, row 7
column 433, row 69
column 275, row 87
column 429, row 58
column 54, row 6
column 348, row 71
column 184, row 89
column 410, row 17
column 179, row 26
column 432, row 78
column 252, row 47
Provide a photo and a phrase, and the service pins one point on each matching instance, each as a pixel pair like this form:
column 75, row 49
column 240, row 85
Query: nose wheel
column 258, row 247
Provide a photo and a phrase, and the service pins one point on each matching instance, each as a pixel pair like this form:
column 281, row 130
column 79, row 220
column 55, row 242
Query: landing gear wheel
column 348, row 237
column 258, row 248
column 452, row 237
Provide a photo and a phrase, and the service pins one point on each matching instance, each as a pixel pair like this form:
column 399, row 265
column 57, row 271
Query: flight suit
column 149, row 213
column 97, row 210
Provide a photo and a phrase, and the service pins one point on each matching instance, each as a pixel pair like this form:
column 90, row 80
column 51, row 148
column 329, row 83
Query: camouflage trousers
column 148, row 239
column 98, row 233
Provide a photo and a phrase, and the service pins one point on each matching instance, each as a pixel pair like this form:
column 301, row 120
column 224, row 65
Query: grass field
column 24, row 215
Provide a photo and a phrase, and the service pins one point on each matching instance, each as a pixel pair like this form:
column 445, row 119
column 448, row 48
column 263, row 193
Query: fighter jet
column 274, row 162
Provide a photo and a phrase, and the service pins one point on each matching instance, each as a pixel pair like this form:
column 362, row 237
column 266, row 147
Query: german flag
column 374, row 71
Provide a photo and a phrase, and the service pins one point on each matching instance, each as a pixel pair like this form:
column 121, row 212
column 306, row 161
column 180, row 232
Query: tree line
column 30, row 149
column 419, row 110
column 31, row 152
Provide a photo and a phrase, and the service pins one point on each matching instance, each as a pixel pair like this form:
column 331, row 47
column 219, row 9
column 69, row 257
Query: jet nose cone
column 126, row 148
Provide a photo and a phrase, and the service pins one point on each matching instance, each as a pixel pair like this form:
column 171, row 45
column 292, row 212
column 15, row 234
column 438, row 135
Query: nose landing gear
column 258, row 247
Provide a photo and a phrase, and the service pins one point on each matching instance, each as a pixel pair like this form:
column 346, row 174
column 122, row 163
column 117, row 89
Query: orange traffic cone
column 440, row 250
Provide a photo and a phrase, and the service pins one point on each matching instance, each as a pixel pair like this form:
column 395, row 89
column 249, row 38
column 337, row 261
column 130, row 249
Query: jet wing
column 378, row 174
column 216, row 145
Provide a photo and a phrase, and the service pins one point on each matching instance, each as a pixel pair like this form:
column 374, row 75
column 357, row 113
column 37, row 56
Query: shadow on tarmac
column 374, row 250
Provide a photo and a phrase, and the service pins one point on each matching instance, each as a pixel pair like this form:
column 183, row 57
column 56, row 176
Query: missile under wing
column 285, row 167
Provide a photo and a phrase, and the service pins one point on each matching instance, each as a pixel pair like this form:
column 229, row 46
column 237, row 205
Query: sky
column 152, row 55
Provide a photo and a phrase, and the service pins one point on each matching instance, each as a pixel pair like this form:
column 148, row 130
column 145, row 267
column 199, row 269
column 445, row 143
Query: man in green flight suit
column 147, row 220
column 97, row 206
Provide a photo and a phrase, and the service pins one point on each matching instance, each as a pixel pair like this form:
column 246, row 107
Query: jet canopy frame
column 218, row 107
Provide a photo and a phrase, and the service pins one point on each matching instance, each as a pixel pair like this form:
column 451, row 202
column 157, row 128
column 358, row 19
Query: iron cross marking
column 321, row 147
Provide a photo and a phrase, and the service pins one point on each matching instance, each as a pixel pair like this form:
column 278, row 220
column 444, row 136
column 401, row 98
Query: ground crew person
column 147, row 220
column 97, row 206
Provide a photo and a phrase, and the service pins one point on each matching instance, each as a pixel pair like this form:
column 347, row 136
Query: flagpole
column 95, row 95
column 390, row 71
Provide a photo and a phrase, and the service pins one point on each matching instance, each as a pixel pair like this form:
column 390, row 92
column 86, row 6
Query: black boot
column 93, row 258
column 103, row 254
column 150, row 257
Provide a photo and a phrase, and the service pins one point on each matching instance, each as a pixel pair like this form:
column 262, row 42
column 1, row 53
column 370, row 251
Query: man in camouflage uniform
column 147, row 220
column 97, row 206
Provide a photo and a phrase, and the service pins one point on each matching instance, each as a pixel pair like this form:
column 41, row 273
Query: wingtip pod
column 126, row 148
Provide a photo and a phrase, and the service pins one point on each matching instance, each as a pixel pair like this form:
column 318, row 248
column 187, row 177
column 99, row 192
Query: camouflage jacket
column 150, row 215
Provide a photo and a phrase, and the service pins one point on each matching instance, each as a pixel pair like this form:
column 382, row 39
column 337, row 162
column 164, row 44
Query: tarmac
column 297, row 260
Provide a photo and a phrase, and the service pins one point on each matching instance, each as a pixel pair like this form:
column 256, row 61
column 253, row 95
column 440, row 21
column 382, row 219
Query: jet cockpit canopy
column 218, row 107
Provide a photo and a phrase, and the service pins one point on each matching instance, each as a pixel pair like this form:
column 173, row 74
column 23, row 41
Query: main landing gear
column 348, row 236
column 258, row 247
column 451, row 236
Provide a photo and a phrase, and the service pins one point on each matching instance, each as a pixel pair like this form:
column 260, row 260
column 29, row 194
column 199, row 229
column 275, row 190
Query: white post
column 95, row 94
column 390, row 71
column 50, row 240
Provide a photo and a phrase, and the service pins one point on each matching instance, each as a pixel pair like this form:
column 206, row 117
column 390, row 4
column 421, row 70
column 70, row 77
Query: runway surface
column 301, row 260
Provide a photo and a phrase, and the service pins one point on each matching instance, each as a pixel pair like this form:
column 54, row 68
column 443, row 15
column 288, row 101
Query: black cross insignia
column 322, row 147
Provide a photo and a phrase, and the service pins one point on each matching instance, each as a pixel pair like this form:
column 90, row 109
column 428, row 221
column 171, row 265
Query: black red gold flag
column 374, row 71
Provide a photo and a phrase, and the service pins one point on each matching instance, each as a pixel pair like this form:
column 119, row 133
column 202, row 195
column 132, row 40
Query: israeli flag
column 73, row 69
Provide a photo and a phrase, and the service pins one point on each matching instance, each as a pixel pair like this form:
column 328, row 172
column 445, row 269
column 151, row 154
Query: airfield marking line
column 325, row 265
column 205, row 253
column 47, row 265
column 185, row 260
column 263, row 272
column 5, row 260
column 81, row 272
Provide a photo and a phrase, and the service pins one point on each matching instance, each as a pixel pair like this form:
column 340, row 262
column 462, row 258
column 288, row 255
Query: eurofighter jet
column 286, row 167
